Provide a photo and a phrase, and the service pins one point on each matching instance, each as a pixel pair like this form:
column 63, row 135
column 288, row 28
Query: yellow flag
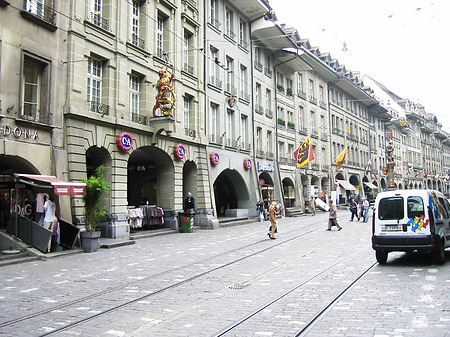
column 340, row 159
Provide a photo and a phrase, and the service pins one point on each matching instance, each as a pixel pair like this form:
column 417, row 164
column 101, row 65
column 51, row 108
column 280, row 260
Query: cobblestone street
column 232, row 281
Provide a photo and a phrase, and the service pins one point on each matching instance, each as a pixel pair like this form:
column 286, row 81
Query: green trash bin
column 186, row 221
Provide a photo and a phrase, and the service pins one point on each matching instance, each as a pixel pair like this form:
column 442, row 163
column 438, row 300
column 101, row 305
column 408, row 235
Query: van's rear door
column 403, row 215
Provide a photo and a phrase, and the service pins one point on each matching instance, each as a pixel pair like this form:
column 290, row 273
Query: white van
column 411, row 220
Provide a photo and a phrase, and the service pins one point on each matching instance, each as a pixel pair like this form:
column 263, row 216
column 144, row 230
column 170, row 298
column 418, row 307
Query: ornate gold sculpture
column 166, row 98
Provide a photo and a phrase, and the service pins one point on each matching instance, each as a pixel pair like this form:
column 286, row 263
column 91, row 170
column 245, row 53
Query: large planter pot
column 90, row 241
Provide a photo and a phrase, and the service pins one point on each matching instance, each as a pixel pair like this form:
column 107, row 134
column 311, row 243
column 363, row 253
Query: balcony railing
column 313, row 99
column 214, row 22
column 215, row 139
column 260, row 153
column 101, row 108
column 189, row 69
column 258, row 65
column 269, row 113
column 39, row 10
column 190, row 132
column 301, row 93
column 136, row 118
column 270, row 155
column 259, row 109
column 268, row 72
column 231, row 89
column 34, row 115
column 215, row 82
column 230, row 34
column 137, row 41
column 243, row 95
column 99, row 21
column 244, row 44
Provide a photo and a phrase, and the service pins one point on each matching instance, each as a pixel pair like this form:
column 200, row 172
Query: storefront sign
column 264, row 167
column 17, row 132
column 261, row 182
column 179, row 151
column 124, row 141
column 247, row 163
column 214, row 158
column 69, row 190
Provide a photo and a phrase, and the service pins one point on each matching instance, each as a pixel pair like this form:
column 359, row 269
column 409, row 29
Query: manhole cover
column 237, row 286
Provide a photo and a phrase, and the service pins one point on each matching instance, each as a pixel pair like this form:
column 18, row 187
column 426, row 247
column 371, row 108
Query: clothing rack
column 145, row 215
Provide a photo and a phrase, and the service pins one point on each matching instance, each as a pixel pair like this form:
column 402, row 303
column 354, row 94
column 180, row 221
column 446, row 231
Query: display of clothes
column 40, row 200
column 145, row 215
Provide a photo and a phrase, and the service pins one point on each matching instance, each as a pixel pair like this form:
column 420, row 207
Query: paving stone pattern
column 201, row 283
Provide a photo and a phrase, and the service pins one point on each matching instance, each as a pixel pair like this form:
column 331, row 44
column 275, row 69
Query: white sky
column 402, row 44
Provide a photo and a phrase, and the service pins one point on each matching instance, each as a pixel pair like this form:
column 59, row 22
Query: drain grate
column 238, row 286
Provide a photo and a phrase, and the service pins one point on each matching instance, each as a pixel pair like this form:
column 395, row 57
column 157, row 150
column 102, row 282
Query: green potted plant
column 96, row 187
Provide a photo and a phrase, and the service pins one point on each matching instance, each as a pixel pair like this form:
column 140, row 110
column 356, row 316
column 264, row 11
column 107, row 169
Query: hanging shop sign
column 261, row 182
column 124, row 141
column 214, row 158
column 247, row 163
column 179, row 151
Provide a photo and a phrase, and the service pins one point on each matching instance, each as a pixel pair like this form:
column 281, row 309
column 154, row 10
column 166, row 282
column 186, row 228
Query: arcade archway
column 96, row 156
column 151, row 178
column 8, row 166
column 230, row 191
column 190, row 178
column 289, row 192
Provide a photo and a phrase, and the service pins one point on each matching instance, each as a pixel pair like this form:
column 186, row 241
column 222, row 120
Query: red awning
column 60, row 187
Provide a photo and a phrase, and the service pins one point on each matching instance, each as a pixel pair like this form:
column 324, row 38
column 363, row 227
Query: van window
column 445, row 209
column 391, row 208
column 415, row 207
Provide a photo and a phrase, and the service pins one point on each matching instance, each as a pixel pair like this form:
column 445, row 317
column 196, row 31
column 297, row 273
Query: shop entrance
column 230, row 191
column 289, row 193
column 150, row 178
column 26, row 200
column 267, row 190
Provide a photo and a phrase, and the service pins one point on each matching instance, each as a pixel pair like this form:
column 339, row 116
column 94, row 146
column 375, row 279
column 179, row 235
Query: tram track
column 316, row 317
column 108, row 292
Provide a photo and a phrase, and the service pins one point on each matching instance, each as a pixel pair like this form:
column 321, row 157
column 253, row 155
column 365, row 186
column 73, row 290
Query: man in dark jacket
column 189, row 203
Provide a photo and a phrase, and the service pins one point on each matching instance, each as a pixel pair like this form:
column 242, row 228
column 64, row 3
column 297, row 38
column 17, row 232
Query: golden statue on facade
column 166, row 98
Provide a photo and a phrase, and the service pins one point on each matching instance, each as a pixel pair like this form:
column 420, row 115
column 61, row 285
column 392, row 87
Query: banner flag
column 340, row 159
column 304, row 154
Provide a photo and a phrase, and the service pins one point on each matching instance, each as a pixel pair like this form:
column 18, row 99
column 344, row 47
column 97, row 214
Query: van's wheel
column 439, row 255
column 381, row 256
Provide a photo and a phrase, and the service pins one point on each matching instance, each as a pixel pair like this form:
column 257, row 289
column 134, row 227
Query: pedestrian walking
column 365, row 207
column 261, row 211
column 361, row 209
column 332, row 219
column 353, row 207
column 273, row 219
column 313, row 206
